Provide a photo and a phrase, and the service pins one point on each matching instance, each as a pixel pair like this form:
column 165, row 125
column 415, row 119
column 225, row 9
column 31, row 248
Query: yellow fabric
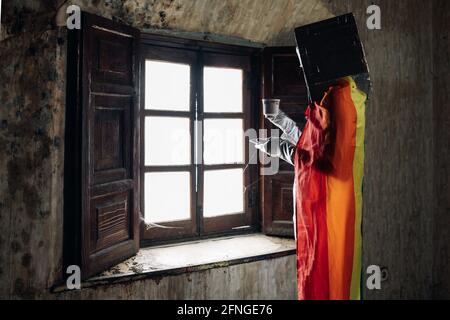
column 340, row 194
column 359, row 99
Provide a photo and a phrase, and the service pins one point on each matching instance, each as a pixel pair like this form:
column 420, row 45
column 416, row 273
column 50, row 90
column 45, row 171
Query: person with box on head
column 328, row 156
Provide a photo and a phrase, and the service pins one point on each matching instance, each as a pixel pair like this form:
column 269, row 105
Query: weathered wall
column 398, row 193
column 32, row 77
column 441, row 98
column 267, row 279
column 399, row 208
column 267, row 21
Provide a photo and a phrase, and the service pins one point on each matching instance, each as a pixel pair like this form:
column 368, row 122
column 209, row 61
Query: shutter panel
column 108, row 143
column 282, row 79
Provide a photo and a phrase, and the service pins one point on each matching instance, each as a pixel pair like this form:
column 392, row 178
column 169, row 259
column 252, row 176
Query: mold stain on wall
column 31, row 167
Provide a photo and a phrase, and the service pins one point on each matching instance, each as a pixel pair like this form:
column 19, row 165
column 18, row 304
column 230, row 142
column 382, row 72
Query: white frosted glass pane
column 167, row 196
column 223, row 141
column 223, row 192
column 167, row 141
column 222, row 89
column 167, row 86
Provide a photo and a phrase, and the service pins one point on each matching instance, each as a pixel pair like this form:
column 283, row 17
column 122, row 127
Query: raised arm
column 288, row 140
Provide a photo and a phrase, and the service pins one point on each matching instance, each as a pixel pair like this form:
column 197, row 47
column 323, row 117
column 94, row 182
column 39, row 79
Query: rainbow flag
column 329, row 165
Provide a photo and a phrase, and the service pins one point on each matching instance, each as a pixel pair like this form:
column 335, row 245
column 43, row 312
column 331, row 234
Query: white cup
column 271, row 106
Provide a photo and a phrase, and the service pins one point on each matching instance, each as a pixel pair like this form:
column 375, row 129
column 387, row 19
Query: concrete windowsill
column 174, row 259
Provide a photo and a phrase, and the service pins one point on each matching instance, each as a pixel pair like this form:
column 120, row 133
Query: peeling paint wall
column 401, row 223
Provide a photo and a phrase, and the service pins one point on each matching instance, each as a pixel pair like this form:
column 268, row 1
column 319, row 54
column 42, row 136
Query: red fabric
column 310, row 179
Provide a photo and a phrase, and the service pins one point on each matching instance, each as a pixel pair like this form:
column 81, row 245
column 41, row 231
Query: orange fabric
column 328, row 180
column 340, row 192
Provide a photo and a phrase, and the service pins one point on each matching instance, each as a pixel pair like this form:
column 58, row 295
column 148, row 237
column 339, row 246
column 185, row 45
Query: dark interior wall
column 404, row 219
column 32, row 80
column 441, row 97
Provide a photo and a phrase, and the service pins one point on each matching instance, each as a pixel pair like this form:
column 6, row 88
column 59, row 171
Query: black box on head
column 329, row 50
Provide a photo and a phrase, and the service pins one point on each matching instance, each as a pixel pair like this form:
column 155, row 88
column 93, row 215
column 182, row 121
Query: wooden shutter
column 282, row 79
column 102, row 142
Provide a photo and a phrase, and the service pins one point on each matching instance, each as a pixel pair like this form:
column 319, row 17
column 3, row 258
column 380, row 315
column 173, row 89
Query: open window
column 196, row 104
column 156, row 149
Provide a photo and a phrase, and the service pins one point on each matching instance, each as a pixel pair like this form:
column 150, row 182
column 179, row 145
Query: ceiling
column 265, row 21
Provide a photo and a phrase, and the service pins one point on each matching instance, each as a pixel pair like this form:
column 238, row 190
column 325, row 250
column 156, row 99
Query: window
column 154, row 145
column 195, row 108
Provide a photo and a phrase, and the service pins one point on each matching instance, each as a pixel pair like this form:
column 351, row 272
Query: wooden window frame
column 176, row 229
column 199, row 54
